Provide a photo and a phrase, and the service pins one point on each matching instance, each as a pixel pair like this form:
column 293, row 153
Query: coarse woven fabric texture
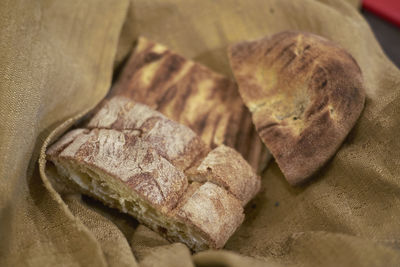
column 56, row 63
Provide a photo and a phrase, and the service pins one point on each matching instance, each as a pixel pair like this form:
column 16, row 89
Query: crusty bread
column 305, row 94
column 193, row 95
column 135, row 159
column 241, row 181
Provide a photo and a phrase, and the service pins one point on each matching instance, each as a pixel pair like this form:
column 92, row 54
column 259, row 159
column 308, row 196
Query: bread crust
column 225, row 167
column 213, row 210
column 64, row 141
column 305, row 94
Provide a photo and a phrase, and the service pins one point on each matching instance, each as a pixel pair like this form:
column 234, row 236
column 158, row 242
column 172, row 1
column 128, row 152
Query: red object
column 387, row 9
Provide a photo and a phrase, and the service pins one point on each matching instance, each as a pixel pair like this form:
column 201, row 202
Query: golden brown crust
column 305, row 94
column 227, row 168
column 192, row 95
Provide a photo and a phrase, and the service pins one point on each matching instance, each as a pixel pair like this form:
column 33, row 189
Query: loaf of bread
column 305, row 94
column 137, row 160
column 193, row 95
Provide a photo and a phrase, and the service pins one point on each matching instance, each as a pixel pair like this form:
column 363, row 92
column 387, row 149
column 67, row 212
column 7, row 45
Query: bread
column 135, row 159
column 192, row 95
column 223, row 160
column 305, row 94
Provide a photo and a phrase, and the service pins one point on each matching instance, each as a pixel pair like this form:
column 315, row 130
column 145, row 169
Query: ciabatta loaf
column 135, row 159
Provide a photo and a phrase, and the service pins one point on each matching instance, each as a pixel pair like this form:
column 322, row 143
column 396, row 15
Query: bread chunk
column 137, row 160
column 214, row 210
column 132, row 161
column 305, row 94
column 226, row 167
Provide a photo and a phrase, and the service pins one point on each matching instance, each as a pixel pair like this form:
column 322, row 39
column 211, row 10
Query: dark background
column 387, row 34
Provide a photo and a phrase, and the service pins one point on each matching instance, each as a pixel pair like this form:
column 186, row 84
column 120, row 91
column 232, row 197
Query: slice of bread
column 305, row 94
column 135, row 159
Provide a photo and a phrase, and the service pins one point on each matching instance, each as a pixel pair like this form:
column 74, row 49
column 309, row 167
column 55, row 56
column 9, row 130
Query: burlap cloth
column 56, row 62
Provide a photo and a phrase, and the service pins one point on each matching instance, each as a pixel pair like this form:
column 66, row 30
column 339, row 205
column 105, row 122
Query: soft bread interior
column 114, row 193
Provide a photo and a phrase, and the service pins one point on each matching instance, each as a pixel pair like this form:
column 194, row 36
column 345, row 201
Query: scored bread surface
column 135, row 159
column 305, row 94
